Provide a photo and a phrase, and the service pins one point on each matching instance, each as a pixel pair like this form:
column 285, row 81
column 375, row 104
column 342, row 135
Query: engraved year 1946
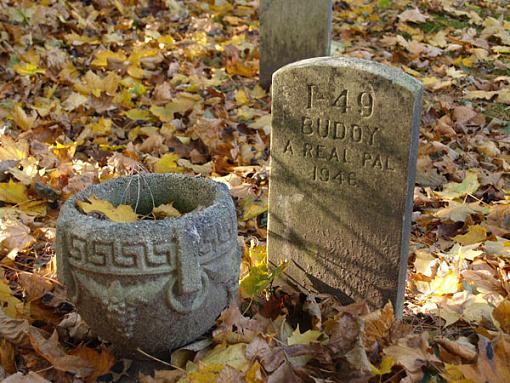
column 345, row 101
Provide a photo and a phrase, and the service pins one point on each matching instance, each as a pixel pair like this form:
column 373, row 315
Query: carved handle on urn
column 189, row 289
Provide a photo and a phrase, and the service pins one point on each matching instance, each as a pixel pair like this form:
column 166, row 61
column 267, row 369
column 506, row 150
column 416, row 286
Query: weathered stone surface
column 292, row 30
column 151, row 284
column 343, row 154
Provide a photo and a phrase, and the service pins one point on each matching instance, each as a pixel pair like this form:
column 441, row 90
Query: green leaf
column 455, row 190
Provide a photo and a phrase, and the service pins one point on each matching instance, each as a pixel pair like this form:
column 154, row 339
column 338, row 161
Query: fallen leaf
column 51, row 350
column 168, row 164
column 455, row 190
column 121, row 213
column 31, row 377
column 101, row 361
column 502, row 314
column 413, row 15
column 166, row 211
column 475, row 234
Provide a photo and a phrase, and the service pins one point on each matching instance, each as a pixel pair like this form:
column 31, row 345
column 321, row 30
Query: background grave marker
column 343, row 153
column 292, row 30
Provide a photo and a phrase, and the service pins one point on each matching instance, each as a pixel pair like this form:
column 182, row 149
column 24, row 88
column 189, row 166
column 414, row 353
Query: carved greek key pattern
column 115, row 256
column 217, row 239
column 121, row 257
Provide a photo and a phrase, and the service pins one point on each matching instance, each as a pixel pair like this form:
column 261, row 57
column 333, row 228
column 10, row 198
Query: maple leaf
column 8, row 303
column 12, row 192
column 475, row 234
column 493, row 364
column 27, row 69
column 121, row 213
column 101, row 361
column 51, row 350
column 12, row 150
column 22, row 120
column 166, row 211
column 259, row 276
column 459, row 212
column 455, row 190
column 168, row 164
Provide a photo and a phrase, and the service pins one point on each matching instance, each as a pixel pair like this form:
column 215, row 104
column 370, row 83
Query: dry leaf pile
column 95, row 89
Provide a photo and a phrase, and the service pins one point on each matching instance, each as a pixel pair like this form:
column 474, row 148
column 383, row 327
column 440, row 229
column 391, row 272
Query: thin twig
column 158, row 360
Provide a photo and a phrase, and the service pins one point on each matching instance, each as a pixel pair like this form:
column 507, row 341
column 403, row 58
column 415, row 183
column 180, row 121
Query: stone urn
column 152, row 285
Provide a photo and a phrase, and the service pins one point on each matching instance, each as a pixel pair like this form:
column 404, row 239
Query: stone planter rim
column 221, row 194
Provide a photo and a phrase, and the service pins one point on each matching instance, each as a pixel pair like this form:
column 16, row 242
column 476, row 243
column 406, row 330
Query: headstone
column 292, row 30
column 343, row 157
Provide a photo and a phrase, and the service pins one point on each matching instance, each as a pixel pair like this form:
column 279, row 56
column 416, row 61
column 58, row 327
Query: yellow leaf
column 8, row 302
column 64, row 152
column 75, row 39
column 74, row 101
column 480, row 94
column 205, row 374
column 27, row 69
column 33, row 208
column 504, row 96
column 12, row 150
column 166, row 39
column 257, row 255
column 252, row 209
column 135, row 71
column 241, row 97
column 12, row 192
column 305, row 338
column 447, row 284
column 453, row 374
column 168, row 164
column 93, row 84
column 121, row 213
column 102, row 127
column 166, row 211
column 258, row 92
column 233, row 356
column 475, row 234
column 455, row 190
column 22, row 120
column 182, row 103
column 142, row 131
column 469, row 252
column 103, row 56
column 239, row 68
column 138, row 115
column 164, row 113
column 385, row 368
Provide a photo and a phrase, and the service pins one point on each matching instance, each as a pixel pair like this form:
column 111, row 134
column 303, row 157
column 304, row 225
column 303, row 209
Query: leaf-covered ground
column 91, row 90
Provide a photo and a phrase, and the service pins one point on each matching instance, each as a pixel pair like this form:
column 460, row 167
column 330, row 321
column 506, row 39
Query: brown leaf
column 464, row 351
column 233, row 327
column 34, row 285
column 14, row 330
column 51, row 350
column 493, row 363
column 7, row 356
column 377, row 325
column 502, row 314
column 101, row 361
